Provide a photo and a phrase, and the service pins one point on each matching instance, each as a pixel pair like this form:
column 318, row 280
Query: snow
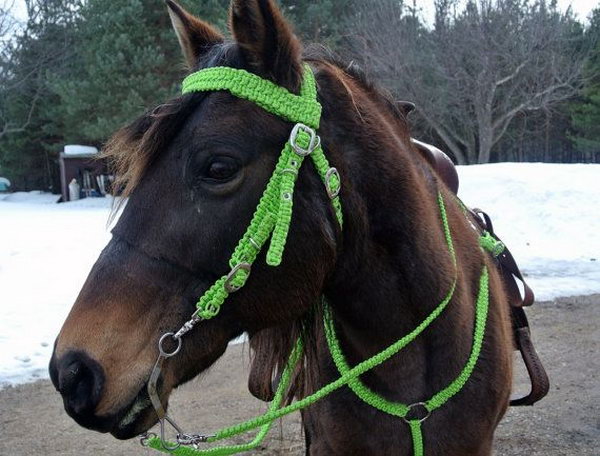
column 46, row 252
column 549, row 217
column 75, row 149
column 547, row 214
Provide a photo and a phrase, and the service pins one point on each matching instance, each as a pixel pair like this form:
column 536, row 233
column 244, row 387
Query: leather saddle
column 540, row 385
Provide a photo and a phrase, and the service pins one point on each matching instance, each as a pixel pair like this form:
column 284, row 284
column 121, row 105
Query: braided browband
column 303, row 108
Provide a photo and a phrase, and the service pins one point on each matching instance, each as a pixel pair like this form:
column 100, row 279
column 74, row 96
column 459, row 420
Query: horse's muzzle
column 80, row 380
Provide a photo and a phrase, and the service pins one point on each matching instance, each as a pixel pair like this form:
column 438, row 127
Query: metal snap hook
column 162, row 351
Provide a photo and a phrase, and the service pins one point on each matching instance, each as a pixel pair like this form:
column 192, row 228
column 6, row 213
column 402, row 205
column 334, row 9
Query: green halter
column 274, row 212
column 272, row 221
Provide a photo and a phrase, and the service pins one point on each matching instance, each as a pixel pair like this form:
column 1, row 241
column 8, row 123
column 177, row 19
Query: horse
column 193, row 171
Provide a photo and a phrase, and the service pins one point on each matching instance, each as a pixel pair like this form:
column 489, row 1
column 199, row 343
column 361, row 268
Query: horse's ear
column 195, row 36
column 267, row 41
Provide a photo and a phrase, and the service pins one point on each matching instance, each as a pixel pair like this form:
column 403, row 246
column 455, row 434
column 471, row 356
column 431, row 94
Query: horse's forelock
column 132, row 150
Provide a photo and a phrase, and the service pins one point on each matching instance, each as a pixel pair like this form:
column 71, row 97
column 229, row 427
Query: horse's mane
column 134, row 148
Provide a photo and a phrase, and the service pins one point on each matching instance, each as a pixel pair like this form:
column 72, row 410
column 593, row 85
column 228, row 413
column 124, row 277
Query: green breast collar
column 270, row 224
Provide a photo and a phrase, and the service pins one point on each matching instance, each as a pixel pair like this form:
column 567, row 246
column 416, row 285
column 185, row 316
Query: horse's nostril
column 80, row 380
column 68, row 377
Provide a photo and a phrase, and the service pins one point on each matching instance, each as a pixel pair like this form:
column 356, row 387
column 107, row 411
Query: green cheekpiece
column 271, row 222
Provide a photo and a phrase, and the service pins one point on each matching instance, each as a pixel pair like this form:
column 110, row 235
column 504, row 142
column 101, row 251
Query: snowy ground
column 46, row 252
column 547, row 214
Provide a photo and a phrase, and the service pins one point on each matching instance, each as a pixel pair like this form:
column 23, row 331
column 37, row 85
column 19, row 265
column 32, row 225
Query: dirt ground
column 567, row 332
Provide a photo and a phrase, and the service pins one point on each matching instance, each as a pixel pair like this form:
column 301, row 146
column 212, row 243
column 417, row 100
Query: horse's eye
column 221, row 169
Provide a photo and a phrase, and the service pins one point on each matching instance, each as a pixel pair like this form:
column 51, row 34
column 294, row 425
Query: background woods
column 493, row 80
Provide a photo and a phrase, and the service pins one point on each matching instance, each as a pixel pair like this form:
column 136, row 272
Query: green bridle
column 271, row 221
column 274, row 212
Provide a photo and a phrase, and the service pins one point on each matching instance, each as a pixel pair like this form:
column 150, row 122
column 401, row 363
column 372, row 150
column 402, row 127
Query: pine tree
column 324, row 22
column 45, row 45
column 586, row 112
column 127, row 61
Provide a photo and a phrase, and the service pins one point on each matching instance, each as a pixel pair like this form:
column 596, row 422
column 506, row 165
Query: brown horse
column 194, row 170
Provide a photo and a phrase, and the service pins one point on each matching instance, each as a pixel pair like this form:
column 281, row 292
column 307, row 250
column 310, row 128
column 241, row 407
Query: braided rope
column 417, row 437
column 284, row 383
column 273, row 215
column 272, row 218
column 362, row 391
column 303, row 108
column 350, row 376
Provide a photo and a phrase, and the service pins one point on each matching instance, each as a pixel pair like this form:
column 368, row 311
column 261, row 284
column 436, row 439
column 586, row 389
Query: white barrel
column 74, row 190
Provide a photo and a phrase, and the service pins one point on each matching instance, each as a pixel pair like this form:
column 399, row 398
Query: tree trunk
column 486, row 135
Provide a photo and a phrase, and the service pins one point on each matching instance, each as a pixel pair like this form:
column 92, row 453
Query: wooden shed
column 82, row 164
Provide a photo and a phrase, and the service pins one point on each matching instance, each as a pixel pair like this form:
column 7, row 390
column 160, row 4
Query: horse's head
column 194, row 170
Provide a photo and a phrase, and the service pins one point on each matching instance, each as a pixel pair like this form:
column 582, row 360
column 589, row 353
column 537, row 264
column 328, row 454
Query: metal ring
column 412, row 407
column 162, row 340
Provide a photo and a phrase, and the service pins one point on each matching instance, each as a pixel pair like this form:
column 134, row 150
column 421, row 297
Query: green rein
column 271, row 221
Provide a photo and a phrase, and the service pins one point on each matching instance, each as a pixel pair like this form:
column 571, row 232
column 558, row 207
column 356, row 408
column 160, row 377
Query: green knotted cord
column 273, row 215
column 284, row 383
column 417, row 437
column 491, row 244
column 272, row 220
column 350, row 376
column 367, row 395
column 303, row 108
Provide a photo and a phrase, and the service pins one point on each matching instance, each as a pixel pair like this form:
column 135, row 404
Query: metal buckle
column 315, row 141
column 411, row 408
column 333, row 193
column 230, row 287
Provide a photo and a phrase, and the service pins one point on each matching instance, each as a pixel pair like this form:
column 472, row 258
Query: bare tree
column 7, row 21
column 8, row 25
column 25, row 58
column 478, row 68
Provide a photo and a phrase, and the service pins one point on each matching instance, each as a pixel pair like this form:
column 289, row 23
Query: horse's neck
column 394, row 268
